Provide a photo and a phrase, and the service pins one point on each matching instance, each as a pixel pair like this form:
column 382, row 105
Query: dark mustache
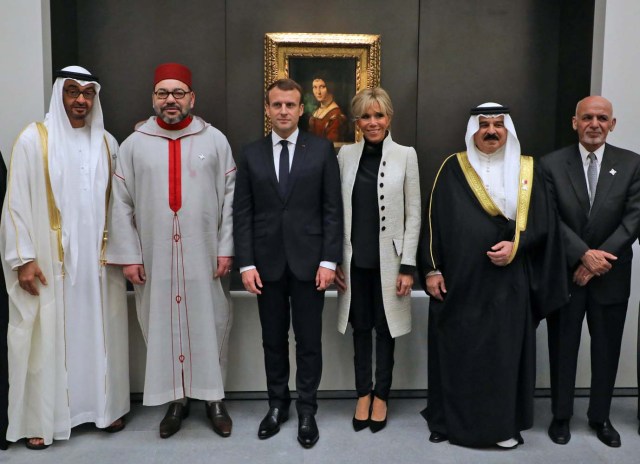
column 491, row 137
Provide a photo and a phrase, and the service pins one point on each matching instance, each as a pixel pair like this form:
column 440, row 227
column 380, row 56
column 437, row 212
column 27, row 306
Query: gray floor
column 403, row 441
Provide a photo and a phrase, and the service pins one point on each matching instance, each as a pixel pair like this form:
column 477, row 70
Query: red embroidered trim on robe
column 175, row 176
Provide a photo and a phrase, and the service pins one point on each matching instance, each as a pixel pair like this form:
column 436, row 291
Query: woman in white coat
column 381, row 197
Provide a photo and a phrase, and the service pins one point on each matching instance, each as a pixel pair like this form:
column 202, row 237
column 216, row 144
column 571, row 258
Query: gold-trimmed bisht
column 474, row 181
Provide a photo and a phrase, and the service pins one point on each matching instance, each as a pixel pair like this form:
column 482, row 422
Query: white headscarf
column 511, row 156
column 66, row 190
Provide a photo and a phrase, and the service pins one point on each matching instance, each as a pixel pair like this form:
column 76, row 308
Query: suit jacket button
column 383, row 218
column 382, row 174
column 382, row 208
column 381, row 184
column 383, row 228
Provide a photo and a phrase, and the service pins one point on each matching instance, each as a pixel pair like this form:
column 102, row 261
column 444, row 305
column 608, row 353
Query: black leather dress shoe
column 219, row 417
column 307, row 430
column 270, row 425
column 437, row 437
column 173, row 419
column 559, row 431
column 606, row 433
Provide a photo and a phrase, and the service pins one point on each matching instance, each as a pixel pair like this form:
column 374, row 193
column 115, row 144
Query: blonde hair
column 367, row 97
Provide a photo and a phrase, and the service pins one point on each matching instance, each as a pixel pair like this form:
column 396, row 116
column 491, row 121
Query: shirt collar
column 584, row 153
column 497, row 156
column 293, row 138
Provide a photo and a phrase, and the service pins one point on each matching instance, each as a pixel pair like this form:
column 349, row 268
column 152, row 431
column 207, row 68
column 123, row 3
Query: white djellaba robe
column 68, row 347
column 172, row 212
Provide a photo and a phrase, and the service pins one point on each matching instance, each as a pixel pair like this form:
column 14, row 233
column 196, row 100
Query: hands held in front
column 251, row 281
column 224, row 266
column 324, row 278
column 500, row 252
column 404, row 282
column 582, row 275
column 134, row 273
column 597, row 261
column 436, row 287
column 27, row 275
column 340, row 281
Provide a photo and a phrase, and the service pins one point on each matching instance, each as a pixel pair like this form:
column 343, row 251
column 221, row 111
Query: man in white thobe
column 67, row 336
column 172, row 232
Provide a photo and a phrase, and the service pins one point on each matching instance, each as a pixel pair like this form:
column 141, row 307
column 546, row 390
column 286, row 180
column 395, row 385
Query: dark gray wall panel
column 247, row 22
column 474, row 52
column 122, row 41
column 438, row 60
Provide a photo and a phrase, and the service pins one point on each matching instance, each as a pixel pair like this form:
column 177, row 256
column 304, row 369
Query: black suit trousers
column 606, row 325
column 367, row 313
column 283, row 302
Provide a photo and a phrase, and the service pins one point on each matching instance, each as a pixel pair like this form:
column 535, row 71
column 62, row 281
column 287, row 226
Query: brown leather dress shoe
column 173, row 418
column 117, row 426
column 219, row 417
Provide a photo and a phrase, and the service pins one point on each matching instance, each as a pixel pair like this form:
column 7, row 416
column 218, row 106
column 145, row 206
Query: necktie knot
column 592, row 157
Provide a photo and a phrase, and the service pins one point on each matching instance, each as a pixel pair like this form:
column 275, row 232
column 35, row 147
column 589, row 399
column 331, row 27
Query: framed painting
column 331, row 68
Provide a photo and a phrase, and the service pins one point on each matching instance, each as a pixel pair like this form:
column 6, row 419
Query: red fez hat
column 173, row 71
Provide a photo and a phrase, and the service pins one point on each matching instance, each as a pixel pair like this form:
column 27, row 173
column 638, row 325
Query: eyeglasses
column 178, row 94
column 88, row 94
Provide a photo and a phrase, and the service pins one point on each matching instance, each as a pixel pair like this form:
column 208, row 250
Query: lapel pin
column 613, row 172
column 524, row 184
column 201, row 157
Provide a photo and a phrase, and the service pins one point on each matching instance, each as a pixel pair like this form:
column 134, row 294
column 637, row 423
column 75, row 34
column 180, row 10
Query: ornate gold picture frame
column 331, row 68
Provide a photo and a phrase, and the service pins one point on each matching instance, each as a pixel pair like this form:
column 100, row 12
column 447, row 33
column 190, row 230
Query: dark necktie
column 592, row 176
column 283, row 168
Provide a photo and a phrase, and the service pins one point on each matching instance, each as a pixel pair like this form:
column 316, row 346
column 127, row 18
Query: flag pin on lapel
column 613, row 172
column 524, row 184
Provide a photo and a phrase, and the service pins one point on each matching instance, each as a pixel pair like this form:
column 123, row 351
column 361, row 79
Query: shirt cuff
column 328, row 265
column 246, row 268
column 432, row 273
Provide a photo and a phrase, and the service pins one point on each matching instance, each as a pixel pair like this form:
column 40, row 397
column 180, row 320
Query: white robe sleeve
column 123, row 246
column 225, row 196
column 17, row 220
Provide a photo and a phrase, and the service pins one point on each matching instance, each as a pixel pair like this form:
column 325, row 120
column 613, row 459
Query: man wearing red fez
column 171, row 230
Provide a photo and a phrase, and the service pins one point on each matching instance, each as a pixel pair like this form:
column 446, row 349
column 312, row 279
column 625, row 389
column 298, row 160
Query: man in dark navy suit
column 596, row 187
column 288, row 231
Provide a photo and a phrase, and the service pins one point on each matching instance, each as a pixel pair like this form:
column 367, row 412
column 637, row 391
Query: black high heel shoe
column 376, row 426
column 361, row 424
